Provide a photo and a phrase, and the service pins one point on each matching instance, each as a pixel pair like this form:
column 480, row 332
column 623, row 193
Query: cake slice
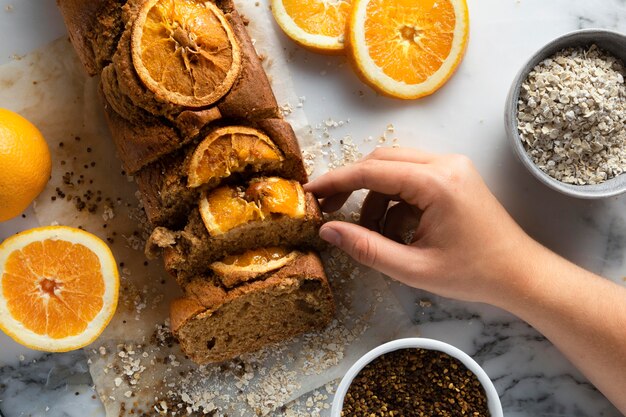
column 232, row 219
column 171, row 187
column 215, row 322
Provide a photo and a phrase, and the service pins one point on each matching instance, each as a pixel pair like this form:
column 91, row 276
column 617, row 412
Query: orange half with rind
column 58, row 288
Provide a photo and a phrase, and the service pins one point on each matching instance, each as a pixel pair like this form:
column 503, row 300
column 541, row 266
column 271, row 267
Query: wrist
column 519, row 276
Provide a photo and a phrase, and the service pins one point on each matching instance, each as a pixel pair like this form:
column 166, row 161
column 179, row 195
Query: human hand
column 466, row 246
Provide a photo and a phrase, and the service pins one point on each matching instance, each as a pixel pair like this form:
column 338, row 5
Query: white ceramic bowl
column 612, row 42
column 493, row 401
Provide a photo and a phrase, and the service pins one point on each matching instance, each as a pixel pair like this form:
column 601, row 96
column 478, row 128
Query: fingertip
column 330, row 234
column 309, row 187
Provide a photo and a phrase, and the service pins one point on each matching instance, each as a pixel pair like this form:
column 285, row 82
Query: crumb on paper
column 425, row 303
column 286, row 109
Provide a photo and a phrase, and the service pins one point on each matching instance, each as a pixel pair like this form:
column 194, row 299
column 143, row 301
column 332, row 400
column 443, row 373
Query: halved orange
column 318, row 25
column 236, row 269
column 407, row 48
column 228, row 207
column 231, row 149
column 185, row 51
column 58, row 288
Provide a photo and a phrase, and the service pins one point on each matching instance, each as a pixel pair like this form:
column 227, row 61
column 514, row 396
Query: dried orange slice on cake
column 228, row 207
column 232, row 149
column 276, row 195
column 236, row 269
column 58, row 288
column 407, row 48
column 225, row 208
column 318, row 25
column 185, row 51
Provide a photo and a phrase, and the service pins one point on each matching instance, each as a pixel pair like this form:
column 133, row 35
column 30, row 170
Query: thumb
column 371, row 249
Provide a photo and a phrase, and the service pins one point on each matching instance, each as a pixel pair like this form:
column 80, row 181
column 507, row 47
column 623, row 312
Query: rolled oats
column 572, row 116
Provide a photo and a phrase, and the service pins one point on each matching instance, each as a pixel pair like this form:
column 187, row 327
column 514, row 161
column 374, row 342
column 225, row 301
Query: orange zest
column 58, row 288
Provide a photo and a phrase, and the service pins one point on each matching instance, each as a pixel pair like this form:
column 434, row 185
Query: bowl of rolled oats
column 566, row 114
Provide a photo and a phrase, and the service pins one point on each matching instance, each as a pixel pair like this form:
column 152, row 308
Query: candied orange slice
column 278, row 196
column 231, row 149
column 407, row 48
column 318, row 25
column 185, row 51
column 58, row 288
column 236, row 269
column 225, row 208
column 228, row 207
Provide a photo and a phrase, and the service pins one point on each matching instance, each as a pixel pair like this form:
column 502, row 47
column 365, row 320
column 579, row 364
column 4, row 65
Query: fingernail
column 330, row 235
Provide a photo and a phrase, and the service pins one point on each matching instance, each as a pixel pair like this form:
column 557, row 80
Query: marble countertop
column 466, row 116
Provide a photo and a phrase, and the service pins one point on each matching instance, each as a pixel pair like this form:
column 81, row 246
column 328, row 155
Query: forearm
column 583, row 314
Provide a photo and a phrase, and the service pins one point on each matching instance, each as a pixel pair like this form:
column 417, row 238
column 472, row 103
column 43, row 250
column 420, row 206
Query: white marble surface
column 531, row 376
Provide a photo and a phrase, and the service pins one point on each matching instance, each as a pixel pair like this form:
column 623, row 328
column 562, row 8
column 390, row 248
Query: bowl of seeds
column 416, row 377
column 566, row 114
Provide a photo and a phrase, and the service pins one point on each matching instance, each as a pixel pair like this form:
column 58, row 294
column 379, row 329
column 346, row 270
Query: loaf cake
column 195, row 121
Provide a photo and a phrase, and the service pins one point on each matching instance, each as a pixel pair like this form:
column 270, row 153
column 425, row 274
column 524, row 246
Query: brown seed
column 415, row 382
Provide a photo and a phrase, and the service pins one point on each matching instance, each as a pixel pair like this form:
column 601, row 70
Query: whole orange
column 25, row 164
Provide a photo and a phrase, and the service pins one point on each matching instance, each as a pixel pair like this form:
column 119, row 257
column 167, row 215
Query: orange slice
column 224, row 209
column 232, row 149
column 407, row 48
column 185, row 51
column 58, row 288
column 236, row 269
column 228, row 207
column 278, row 196
column 318, row 25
